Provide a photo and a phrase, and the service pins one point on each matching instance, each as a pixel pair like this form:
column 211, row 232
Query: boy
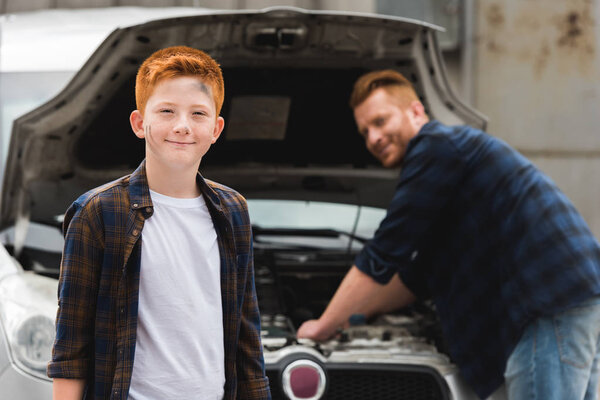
column 156, row 290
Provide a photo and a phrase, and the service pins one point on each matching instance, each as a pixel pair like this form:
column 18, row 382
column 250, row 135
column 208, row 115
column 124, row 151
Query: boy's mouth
column 177, row 142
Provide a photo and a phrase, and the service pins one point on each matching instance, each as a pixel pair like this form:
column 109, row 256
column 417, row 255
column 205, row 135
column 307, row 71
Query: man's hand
column 314, row 329
column 357, row 294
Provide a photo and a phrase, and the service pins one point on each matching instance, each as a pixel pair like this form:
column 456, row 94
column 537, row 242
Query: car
column 290, row 147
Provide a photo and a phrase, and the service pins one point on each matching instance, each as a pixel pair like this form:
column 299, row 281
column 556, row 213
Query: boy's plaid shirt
column 99, row 282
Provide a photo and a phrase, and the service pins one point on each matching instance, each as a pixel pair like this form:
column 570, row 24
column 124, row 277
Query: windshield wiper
column 306, row 232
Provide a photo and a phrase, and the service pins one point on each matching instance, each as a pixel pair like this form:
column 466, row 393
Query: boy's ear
column 137, row 123
column 219, row 125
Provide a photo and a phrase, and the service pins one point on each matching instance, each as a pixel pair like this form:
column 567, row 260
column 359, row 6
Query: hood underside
column 289, row 131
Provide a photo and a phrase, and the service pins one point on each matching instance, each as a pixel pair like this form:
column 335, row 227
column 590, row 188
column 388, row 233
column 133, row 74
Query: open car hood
column 289, row 131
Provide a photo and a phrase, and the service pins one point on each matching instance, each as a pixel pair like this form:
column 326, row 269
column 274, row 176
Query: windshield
column 355, row 220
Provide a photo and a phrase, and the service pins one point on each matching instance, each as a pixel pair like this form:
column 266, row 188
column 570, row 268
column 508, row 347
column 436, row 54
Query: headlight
column 34, row 340
column 27, row 311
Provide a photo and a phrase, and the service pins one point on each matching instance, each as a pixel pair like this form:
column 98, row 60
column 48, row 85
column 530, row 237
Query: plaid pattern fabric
column 475, row 226
column 99, row 282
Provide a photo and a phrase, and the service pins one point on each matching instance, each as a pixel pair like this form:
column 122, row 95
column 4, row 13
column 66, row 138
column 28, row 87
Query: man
column 511, row 266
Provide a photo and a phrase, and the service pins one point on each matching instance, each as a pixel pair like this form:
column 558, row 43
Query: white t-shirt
column 179, row 347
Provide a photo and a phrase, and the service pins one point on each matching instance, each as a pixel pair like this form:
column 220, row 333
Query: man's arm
column 358, row 294
column 67, row 389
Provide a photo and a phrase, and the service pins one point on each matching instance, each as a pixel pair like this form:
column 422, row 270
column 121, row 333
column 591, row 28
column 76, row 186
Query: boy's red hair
column 178, row 61
column 391, row 81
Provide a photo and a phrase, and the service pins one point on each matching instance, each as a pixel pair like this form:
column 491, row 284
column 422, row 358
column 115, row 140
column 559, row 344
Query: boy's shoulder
column 93, row 206
column 229, row 197
column 109, row 192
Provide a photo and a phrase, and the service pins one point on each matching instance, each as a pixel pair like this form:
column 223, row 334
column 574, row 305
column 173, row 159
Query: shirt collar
column 208, row 192
column 430, row 126
column 139, row 192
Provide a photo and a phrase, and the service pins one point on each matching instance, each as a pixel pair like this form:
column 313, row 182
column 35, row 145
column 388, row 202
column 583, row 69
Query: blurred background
column 533, row 67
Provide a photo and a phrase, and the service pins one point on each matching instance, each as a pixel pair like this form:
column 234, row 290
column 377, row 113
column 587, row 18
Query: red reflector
column 304, row 382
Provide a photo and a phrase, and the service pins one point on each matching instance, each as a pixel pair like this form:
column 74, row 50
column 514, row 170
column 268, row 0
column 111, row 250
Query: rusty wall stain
column 541, row 59
column 571, row 30
column 494, row 22
column 577, row 29
column 495, row 16
column 542, row 33
column 576, row 36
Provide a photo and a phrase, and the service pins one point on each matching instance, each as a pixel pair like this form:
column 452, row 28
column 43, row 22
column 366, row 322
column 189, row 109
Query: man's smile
column 382, row 150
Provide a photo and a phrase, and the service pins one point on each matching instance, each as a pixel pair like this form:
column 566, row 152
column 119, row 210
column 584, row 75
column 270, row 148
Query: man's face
column 386, row 126
column 179, row 123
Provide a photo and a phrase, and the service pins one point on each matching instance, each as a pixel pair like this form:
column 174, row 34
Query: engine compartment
column 294, row 285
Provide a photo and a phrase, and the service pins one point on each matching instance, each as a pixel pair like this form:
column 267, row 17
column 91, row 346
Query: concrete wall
column 13, row 6
column 537, row 77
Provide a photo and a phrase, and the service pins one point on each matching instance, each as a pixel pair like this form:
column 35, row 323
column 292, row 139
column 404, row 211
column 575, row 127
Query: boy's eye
column 166, row 110
column 201, row 113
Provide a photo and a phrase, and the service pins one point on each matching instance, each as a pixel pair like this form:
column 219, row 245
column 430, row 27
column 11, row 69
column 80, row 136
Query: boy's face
column 179, row 123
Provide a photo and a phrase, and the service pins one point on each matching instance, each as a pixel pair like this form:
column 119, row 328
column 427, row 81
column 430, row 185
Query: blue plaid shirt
column 491, row 239
column 99, row 285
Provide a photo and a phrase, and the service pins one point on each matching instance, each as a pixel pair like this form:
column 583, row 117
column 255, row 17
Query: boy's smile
column 179, row 123
column 181, row 143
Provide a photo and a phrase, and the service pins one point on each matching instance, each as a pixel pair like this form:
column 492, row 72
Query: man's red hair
column 391, row 81
column 174, row 62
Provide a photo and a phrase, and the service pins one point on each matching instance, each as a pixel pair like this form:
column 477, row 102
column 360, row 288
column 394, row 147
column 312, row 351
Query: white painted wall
column 537, row 77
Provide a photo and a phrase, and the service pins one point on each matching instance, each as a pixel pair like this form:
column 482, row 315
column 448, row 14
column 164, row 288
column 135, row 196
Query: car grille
column 351, row 384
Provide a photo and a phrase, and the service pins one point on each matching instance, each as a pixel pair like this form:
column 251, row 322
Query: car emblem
column 304, row 379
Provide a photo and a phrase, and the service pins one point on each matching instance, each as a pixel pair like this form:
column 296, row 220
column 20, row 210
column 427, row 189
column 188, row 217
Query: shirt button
column 148, row 209
column 135, row 232
column 122, row 310
column 135, row 205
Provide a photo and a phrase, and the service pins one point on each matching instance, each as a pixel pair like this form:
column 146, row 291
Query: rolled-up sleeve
column 77, row 291
column 431, row 172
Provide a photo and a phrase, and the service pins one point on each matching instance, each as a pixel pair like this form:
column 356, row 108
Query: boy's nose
column 182, row 129
column 182, row 126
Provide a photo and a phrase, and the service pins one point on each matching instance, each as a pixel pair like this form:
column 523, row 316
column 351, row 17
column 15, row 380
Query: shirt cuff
column 375, row 267
column 254, row 389
column 381, row 272
column 71, row 369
